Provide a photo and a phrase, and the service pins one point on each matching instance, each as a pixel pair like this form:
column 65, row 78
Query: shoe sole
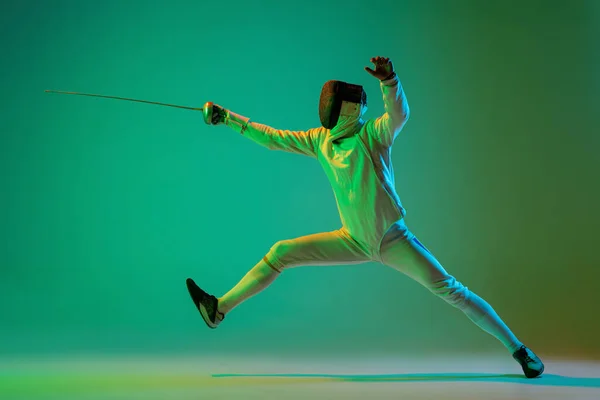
column 204, row 315
column 537, row 374
column 196, row 294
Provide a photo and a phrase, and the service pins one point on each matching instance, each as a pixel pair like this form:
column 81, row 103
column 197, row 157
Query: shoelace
column 527, row 357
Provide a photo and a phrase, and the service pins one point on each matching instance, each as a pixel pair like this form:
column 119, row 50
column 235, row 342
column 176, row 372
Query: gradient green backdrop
column 107, row 206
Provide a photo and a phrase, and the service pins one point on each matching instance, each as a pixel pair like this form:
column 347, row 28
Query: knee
column 451, row 291
column 281, row 248
column 280, row 252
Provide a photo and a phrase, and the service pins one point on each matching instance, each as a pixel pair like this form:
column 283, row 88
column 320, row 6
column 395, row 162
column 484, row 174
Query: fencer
column 355, row 155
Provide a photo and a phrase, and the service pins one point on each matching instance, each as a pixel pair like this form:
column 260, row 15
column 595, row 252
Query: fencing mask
column 333, row 94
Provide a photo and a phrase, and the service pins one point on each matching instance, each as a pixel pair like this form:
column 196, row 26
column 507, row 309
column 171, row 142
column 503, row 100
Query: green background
column 107, row 206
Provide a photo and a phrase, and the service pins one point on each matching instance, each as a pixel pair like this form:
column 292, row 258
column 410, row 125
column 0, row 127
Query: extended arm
column 299, row 142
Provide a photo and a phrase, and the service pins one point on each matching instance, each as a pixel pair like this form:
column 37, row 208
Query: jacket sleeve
column 386, row 128
column 299, row 142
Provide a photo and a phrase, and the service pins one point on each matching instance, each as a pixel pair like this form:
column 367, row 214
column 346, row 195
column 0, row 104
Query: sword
column 127, row 99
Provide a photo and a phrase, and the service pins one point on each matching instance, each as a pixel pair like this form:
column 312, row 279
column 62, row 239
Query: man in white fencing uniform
column 356, row 157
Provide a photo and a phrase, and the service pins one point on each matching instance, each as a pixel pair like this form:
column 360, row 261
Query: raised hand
column 384, row 69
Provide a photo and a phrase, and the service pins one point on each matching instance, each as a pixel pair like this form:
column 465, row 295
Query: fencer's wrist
column 390, row 76
column 236, row 121
column 390, row 80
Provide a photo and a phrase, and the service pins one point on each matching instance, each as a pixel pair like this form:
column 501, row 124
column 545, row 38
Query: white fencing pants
column 401, row 250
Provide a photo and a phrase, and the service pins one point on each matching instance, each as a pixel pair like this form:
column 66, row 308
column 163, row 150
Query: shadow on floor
column 544, row 380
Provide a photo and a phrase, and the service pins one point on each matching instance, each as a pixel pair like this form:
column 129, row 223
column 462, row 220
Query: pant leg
column 327, row 248
column 400, row 249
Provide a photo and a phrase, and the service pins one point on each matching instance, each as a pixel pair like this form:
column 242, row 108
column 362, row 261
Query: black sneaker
column 206, row 304
column 531, row 364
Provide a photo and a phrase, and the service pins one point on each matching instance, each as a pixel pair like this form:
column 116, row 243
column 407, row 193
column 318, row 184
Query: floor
column 181, row 378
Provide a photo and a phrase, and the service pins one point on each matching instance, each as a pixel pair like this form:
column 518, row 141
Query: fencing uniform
column 356, row 157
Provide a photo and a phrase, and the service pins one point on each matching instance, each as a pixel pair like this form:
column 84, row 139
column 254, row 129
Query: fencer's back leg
column 413, row 259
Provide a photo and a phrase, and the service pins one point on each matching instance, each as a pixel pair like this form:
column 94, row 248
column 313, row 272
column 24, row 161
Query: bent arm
column 299, row 142
column 387, row 127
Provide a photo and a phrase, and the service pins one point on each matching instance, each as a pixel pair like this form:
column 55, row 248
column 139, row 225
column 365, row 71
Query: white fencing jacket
column 356, row 157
